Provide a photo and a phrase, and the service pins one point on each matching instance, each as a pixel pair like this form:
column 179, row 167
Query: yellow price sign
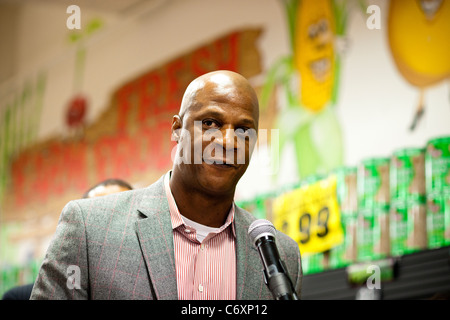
column 310, row 215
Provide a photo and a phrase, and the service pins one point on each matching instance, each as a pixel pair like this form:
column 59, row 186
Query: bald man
column 183, row 237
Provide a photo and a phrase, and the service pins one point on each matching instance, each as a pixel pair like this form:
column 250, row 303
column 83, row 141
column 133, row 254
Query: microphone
column 262, row 234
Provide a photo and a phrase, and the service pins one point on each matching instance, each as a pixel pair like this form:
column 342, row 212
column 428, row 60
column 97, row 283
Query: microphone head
column 260, row 228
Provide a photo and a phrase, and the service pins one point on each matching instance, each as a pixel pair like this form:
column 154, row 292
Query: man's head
column 107, row 187
column 216, row 131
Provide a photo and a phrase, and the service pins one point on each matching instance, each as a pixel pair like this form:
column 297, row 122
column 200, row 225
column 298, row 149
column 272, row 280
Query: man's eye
column 209, row 123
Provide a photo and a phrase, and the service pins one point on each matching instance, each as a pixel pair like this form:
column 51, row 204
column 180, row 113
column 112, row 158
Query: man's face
column 218, row 133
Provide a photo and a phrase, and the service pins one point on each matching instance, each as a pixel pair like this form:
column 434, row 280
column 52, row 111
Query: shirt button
column 200, row 288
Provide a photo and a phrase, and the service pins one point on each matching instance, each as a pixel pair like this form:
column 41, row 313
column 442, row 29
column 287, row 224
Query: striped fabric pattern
column 206, row 270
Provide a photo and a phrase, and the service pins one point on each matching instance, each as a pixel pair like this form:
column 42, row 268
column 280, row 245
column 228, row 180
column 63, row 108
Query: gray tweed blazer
column 120, row 246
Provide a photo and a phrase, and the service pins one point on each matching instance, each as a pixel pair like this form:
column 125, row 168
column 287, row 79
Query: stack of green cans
column 346, row 192
column 408, row 207
column 373, row 209
column 437, row 179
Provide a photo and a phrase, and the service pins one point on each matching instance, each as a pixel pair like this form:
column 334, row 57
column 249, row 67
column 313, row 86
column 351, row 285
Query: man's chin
column 220, row 178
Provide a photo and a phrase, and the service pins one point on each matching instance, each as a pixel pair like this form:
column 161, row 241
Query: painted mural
column 131, row 140
column 309, row 80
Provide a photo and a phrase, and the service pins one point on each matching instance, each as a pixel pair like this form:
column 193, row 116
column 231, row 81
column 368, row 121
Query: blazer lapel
column 155, row 236
column 250, row 280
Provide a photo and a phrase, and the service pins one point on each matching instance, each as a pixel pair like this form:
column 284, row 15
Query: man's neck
column 200, row 207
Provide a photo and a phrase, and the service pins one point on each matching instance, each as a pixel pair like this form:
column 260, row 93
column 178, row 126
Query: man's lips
column 220, row 163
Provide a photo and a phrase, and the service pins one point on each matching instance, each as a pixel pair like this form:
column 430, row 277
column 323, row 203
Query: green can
column 398, row 223
column 437, row 165
column 407, row 173
column 416, row 228
column 373, row 233
column 438, row 219
column 381, row 237
column 346, row 253
column 346, row 188
column 365, row 235
column 373, row 183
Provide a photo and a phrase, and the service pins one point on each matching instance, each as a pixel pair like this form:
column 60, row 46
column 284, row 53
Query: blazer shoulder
column 287, row 242
column 101, row 209
column 111, row 200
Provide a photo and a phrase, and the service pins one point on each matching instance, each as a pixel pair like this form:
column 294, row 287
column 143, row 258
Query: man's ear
column 176, row 127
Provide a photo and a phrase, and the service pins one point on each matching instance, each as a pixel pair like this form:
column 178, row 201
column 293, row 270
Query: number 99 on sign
column 310, row 215
column 304, row 225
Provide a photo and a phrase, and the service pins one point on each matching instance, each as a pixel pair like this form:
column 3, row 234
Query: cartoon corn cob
column 314, row 53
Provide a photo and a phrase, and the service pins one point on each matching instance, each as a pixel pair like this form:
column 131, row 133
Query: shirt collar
column 175, row 215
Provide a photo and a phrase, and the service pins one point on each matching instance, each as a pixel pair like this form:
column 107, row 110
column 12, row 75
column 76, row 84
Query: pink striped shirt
column 205, row 270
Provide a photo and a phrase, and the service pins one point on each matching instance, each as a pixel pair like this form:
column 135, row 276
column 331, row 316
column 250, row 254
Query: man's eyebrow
column 247, row 121
column 211, row 112
column 220, row 114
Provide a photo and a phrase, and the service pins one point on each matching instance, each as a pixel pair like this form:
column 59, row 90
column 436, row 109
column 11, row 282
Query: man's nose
column 228, row 139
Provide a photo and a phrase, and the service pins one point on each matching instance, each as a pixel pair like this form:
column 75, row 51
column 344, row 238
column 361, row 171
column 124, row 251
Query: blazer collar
column 156, row 241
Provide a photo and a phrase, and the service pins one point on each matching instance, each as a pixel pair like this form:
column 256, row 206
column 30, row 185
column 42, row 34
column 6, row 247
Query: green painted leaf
column 94, row 25
column 75, row 36
column 308, row 160
column 274, row 76
column 326, row 135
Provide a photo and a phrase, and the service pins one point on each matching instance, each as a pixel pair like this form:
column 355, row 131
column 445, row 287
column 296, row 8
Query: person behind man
column 107, row 186
column 102, row 188
column 183, row 237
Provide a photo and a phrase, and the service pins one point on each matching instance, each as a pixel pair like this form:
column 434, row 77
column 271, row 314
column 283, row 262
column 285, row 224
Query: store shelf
column 418, row 275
